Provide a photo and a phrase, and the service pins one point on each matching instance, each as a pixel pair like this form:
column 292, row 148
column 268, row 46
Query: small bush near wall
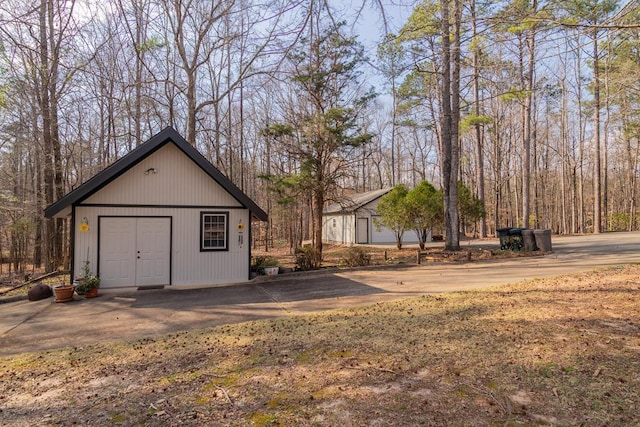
column 307, row 258
column 260, row 262
column 356, row 257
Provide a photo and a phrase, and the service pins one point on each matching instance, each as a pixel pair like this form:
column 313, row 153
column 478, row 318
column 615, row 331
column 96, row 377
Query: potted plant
column 266, row 265
column 88, row 283
column 63, row 292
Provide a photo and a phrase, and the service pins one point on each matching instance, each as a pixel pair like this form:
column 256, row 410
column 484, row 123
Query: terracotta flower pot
column 63, row 293
column 91, row 293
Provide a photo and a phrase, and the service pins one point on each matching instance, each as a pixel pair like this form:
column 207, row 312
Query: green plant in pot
column 264, row 264
column 88, row 283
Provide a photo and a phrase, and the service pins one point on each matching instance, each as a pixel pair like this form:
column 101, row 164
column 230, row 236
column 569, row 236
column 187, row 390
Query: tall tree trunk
column 394, row 113
column 217, row 141
column 528, row 112
column 241, row 134
column 47, row 144
column 564, row 162
column 450, row 113
column 605, row 171
column 38, row 254
column 597, row 171
column 58, row 177
column 582, row 227
column 191, row 106
column 137, row 112
column 49, row 51
column 318, row 206
column 497, row 176
column 478, row 127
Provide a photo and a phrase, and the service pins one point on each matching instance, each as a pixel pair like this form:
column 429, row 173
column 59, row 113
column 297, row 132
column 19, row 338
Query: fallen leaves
column 556, row 351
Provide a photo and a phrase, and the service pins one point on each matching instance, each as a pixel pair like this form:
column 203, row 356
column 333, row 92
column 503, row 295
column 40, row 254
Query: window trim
column 224, row 214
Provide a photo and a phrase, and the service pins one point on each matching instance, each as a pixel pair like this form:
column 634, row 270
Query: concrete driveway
column 30, row 326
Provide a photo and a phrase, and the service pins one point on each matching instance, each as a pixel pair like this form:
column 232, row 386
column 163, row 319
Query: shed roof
column 113, row 171
column 349, row 204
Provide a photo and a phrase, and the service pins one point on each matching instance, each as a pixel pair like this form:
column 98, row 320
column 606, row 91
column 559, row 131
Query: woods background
column 287, row 97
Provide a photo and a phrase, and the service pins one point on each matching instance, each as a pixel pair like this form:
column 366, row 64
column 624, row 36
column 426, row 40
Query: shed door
column 135, row 252
column 362, row 230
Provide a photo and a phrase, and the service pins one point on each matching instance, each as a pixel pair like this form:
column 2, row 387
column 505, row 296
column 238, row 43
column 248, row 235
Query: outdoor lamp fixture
column 84, row 225
column 151, row 170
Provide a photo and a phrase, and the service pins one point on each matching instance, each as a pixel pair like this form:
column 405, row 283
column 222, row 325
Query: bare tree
column 450, row 117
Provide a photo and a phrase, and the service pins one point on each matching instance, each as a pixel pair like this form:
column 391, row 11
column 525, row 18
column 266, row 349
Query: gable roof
column 349, row 204
column 117, row 168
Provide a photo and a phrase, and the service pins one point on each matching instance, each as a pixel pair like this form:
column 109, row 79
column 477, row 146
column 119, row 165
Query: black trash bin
column 515, row 239
column 503, row 235
column 543, row 239
column 529, row 240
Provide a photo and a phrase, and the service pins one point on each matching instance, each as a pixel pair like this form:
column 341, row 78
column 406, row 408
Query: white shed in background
column 161, row 215
column 352, row 221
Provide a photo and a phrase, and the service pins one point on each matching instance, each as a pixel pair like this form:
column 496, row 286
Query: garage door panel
column 117, row 252
column 154, row 246
column 382, row 234
column 135, row 251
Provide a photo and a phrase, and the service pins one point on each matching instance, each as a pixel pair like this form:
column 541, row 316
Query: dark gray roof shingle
column 353, row 202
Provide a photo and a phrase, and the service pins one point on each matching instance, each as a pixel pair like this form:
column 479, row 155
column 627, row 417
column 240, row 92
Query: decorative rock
column 39, row 291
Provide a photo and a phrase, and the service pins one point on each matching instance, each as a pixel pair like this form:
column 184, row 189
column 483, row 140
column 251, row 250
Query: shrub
column 356, row 257
column 618, row 222
column 307, row 258
column 260, row 262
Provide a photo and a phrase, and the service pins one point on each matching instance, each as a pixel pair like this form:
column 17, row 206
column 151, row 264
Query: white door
column 135, row 252
column 153, row 248
column 362, row 231
column 117, row 252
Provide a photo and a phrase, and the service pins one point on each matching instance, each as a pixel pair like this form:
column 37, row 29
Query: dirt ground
column 335, row 255
column 559, row 351
column 17, row 284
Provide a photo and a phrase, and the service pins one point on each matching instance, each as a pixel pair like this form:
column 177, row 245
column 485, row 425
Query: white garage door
column 135, row 251
column 382, row 235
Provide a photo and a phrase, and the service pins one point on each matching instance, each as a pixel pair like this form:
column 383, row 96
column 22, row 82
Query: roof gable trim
column 113, row 171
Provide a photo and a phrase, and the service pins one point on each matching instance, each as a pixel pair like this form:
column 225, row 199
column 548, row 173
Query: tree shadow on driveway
column 143, row 314
column 298, row 289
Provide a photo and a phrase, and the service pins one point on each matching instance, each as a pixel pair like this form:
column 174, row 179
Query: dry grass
column 10, row 288
column 562, row 351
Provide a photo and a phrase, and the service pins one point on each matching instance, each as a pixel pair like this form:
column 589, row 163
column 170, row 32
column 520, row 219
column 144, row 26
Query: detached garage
column 162, row 215
column 352, row 220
